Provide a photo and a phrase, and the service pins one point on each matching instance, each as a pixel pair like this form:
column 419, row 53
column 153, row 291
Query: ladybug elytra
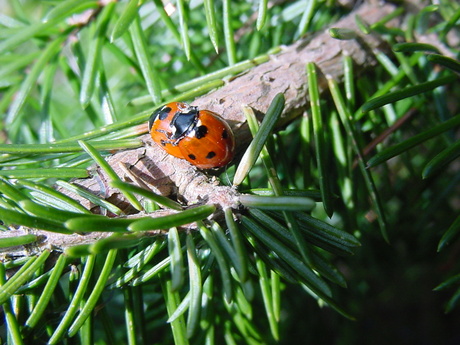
column 201, row 137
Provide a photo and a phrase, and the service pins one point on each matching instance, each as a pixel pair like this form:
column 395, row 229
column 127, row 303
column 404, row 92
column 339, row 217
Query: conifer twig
column 170, row 176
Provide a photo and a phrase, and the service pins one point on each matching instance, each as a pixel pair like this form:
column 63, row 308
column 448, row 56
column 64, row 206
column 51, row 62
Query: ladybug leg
column 168, row 135
column 173, row 143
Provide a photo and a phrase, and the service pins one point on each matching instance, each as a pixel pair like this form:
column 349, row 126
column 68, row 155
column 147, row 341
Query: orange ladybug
column 200, row 136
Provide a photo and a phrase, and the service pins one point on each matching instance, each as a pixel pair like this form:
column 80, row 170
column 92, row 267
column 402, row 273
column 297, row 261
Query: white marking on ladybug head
column 186, row 108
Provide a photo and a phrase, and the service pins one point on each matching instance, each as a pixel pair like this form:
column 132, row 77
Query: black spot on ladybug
column 192, row 157
column 224, row 134
column 201, row 131
column 210, row 155
column 159, row 114
column 164, row 113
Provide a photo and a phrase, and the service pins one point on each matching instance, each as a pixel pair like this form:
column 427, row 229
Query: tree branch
column 170, row 176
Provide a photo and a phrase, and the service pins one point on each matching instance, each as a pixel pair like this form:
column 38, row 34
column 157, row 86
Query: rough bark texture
column 167, row 175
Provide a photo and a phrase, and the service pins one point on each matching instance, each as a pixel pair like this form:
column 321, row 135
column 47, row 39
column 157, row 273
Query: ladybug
column 200, row 136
